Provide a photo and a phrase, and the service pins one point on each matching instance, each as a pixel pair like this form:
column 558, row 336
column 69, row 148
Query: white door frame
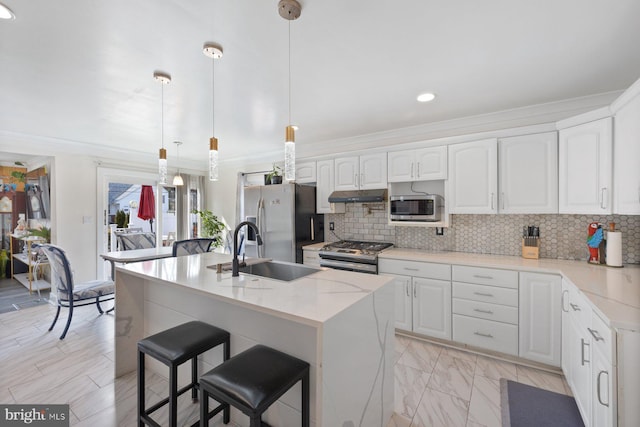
column 106, row 175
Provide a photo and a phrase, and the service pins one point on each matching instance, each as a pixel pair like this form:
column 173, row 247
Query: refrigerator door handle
column 261, row 248
column 313, row 234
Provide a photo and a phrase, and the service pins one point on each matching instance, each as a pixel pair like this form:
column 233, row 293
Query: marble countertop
column 315, row 246
column 614, row 292
column 312, row 299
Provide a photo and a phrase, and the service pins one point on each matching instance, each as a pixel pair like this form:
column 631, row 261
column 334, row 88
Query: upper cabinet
column 473, row 177
column 626, row 171
column 325, row 185
column 364, row 172
column 529, row 174
column 585, row 168
column 305, row 172
column 417, row 165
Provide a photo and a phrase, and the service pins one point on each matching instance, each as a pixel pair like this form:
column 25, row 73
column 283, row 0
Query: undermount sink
column 284, row 271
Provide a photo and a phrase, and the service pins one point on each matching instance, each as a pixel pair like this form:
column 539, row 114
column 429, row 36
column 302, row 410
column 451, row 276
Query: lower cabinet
column 540, row 317
column 423, row 304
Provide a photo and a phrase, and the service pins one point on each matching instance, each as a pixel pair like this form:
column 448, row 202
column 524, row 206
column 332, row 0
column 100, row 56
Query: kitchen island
column 342, row 323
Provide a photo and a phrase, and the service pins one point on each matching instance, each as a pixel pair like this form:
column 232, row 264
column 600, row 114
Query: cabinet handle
column 502, row 200
column 575, row 307
column 406, row 287
column 479, row 276
column 410, row 269
column 562, row 300
column 483, row 311
column 603, row 199
column 360, row 179
column 355, row 179
column 483, row 335
column 492, row 194
column 598, row 388
column 418, row 174
column 583, row 343
column 482, row 294
column 415, row 292
column 411, row 170
column 595, row 335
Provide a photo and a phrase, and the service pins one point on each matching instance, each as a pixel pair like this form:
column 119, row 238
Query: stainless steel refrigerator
column 286, row 217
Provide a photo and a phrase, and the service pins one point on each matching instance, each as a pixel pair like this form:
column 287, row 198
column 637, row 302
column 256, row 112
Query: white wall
column 73, row 206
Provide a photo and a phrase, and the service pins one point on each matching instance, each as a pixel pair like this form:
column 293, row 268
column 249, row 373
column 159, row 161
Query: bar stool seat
column 253, row 380
column 173, row 347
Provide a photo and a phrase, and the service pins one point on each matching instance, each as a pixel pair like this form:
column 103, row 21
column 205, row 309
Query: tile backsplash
column 562, row 236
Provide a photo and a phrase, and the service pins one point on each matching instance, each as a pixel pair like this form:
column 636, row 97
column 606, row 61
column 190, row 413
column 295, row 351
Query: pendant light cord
column 162, row 113
column 289, row 72
column 213, row 98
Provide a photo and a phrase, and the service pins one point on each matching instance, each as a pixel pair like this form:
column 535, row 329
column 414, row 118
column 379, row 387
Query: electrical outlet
column 439, row 231
column 332, row 226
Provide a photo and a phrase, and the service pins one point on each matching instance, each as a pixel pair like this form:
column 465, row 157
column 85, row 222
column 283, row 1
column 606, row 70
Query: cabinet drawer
column 601, row 336
column 485, row 276
column 483, row 310
column 487, row 334
column 579, row 308
column 490, row 294
column 427, row 270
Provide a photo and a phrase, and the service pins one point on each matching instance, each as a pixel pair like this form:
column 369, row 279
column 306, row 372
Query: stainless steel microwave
column 416, row 207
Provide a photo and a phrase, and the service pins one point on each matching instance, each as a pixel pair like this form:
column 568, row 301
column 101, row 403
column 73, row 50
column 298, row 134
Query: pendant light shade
column 213, row 159
column 177, row 179
column 214, row 52
column 289, row 10
column 163, row 79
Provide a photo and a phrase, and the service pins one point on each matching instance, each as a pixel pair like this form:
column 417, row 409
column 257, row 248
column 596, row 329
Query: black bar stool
column 173, row 347
column 252, row 381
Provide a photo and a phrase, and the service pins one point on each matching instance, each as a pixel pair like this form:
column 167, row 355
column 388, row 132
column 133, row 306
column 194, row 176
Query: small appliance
column 416, row 207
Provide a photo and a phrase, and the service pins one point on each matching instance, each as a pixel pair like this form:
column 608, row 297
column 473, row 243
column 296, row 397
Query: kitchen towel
column 614, row 248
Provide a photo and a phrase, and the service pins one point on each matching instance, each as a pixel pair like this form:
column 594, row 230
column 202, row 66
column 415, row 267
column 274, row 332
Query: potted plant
column 121, row 219
column 211, row 226
column 275, row 176
column 44, row 232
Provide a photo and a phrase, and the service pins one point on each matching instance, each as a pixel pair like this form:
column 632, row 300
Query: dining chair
column 129, row 241
column 192, row 246
column 70, row 294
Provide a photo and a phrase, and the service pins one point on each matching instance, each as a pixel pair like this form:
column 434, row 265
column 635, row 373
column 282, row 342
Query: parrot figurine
column 595, row 237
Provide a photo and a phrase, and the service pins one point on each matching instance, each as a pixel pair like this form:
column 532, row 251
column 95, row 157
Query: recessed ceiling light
column 6, row 13
column 426, row 97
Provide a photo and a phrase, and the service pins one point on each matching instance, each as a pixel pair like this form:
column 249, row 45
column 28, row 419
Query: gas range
column 352, row 255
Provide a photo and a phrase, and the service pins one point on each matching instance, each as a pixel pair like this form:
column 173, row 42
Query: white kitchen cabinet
column 364, row 172
column 540, row 317
column 602, row 385
column 417, row 165
column 325, row 185
column 432, row 307
column 473, row 177
column 584, row 169
column 423, row 304
column 404, row 301
column 626, row 160
column 305, row 172
column 311, row 257
column 529, row 174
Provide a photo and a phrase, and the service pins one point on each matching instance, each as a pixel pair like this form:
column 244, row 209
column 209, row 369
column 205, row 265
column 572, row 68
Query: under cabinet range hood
column 358, row 196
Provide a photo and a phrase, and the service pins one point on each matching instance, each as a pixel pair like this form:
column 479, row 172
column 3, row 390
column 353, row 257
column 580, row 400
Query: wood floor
column 434, row 386
column 13, row 293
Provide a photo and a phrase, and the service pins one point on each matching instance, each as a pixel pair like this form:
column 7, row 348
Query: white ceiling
column 82, row 70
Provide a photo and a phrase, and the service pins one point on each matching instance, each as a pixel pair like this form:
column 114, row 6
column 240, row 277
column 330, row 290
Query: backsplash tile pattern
column 562, row 236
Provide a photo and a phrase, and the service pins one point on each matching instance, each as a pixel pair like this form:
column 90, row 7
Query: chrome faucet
column 235, row 265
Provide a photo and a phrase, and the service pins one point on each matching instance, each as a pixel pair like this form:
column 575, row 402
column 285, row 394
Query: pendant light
column 163, row 79
column 289, row 10
column 177, row 179
column 214, row 52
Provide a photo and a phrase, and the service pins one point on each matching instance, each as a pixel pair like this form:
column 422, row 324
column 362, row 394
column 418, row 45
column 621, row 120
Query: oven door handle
column 350, row 266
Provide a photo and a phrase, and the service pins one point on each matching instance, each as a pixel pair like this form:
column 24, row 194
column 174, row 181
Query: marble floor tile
column 540, row 379
column 460, row 354
column 420, row 355
column 399, row 421
column 453, row 376
column 438, row 409
column 409, row 386
column 484, row 407
column 496, row 369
